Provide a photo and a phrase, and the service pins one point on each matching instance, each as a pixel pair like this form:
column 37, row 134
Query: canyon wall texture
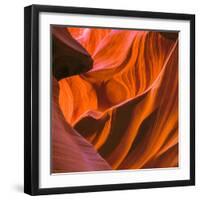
column 115, row 99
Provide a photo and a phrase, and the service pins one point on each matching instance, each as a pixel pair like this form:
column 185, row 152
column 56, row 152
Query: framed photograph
column 109, row 99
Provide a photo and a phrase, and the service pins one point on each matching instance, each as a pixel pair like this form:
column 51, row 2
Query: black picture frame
column 31, row 98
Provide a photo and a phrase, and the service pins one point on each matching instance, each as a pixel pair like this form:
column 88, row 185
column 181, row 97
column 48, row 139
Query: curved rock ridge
column 125, row 105
column 69, row 57
column 70, row 151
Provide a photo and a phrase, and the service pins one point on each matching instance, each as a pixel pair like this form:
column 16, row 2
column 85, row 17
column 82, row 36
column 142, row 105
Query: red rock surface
column 123, row 104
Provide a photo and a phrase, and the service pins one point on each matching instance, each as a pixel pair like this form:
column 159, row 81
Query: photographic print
column 109, row 99
column 114, row 99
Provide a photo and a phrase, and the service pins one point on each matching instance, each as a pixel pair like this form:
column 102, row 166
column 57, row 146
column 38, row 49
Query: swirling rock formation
column 118, row 97
column 70, row 151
